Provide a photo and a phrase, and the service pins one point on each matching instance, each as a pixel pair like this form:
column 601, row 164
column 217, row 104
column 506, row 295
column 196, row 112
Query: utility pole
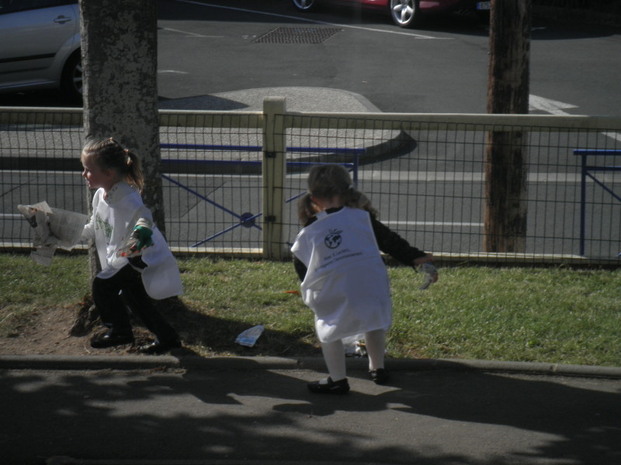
column 505, row 212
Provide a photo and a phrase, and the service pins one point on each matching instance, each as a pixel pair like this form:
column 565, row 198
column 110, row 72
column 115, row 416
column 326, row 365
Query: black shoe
column 379, row 376
column 157, row 348
column 111, row 338
column 329, row 387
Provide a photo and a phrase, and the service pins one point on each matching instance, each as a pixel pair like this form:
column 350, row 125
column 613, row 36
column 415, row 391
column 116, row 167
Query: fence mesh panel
column 212, row 186
column 39, row 160
column 426, row 179
column 431, row 188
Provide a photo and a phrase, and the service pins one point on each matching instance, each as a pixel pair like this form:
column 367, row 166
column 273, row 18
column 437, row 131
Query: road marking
column 298, row 18
column 191, row 34
column 613, row 135
column 170, row 71
column 443, row 224
column 459, row 176
column 389, row 176
column 554, row 107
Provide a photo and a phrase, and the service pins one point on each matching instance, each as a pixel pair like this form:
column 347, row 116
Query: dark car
column 404, row 13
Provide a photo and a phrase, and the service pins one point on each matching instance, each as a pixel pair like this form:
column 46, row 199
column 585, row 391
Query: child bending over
column 344, row 279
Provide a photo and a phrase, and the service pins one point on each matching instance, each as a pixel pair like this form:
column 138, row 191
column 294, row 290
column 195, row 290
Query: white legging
column 334, row 354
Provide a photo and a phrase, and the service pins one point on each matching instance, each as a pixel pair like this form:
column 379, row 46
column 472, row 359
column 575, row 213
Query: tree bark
column 119, row 59
column 505, row 215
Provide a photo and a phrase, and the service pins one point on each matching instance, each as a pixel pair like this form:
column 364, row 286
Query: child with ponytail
column 344, row 279
column 136, row 263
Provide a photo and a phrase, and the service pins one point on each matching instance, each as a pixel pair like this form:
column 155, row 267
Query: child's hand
column 431, row 275
column 140, row 239
column 142, row 234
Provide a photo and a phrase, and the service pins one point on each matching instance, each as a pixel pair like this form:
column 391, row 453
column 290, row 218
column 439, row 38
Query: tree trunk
column 119, row 59
column 505, row 212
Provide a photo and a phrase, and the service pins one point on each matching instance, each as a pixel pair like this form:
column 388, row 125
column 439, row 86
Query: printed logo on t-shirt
column 102, row 224
column 333, row 239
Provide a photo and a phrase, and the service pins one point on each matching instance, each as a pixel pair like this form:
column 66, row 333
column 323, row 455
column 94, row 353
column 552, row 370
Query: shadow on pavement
column 242, row 411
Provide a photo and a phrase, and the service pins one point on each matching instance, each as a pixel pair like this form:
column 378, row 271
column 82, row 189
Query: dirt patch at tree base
column 62, row 331
column 49, row 333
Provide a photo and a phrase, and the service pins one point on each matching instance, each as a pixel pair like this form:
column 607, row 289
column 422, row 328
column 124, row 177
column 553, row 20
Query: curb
column 63, row 460
column 386, row 144
column 193, row 362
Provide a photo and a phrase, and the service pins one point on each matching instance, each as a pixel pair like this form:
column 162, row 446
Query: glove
column 139, row 240
column 431, row 275
column 142, row 234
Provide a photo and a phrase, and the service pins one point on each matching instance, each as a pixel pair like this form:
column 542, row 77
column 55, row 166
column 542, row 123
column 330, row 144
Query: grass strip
column 552, row 315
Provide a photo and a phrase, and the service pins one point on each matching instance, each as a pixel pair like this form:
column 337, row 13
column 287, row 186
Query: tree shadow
column 201, row 102
column 581, row 418
column 243, row 411
column 219, row 334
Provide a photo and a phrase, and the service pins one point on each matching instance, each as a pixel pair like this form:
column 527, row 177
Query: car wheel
column 71, row 80
column 404, row 13
column 305, row 5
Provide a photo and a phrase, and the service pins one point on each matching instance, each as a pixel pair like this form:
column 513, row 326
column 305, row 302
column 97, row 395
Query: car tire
column 405, row 13
column 305, row 5
column 71, row 80
column 484, row 16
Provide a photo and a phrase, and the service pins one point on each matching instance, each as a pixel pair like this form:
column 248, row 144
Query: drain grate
column 297, row 35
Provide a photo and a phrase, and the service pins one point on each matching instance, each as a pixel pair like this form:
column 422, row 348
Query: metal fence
column 231, row 179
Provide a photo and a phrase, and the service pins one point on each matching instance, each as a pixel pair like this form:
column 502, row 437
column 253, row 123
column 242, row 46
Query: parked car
column 40, row 46
column 404, row 13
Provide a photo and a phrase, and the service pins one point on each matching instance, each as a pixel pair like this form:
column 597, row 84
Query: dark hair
column 111, row 155
column 329, row 181
column 306, row 209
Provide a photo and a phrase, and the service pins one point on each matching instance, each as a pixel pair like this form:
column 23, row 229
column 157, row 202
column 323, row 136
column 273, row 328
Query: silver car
column 40, row 46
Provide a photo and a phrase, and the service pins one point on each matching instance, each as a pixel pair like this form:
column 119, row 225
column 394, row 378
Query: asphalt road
column 439, row 68
column 209, row 47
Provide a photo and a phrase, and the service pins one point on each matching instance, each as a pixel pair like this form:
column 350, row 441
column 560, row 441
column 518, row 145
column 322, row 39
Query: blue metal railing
column 248, row 219
column 586, row 172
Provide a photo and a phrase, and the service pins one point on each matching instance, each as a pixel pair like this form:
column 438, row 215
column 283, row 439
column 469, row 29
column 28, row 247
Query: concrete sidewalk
column 315, row 99
column 192, row 410
column 371, row 145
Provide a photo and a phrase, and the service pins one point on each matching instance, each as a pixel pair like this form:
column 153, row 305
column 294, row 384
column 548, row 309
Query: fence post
column 583, row 179
column 274, row 171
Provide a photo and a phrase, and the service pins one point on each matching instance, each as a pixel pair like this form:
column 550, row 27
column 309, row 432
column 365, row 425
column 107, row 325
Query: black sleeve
column 300, row 268
column 394, row 245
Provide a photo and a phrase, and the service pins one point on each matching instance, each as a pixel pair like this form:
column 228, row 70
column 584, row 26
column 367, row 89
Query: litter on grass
column 248, row 338
column 430, row 273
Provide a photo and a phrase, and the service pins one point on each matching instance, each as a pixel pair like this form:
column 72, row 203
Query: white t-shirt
column 111, row 225
column 346, row 283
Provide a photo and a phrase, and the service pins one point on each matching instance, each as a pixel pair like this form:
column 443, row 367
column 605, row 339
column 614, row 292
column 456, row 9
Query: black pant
column 113, row 296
